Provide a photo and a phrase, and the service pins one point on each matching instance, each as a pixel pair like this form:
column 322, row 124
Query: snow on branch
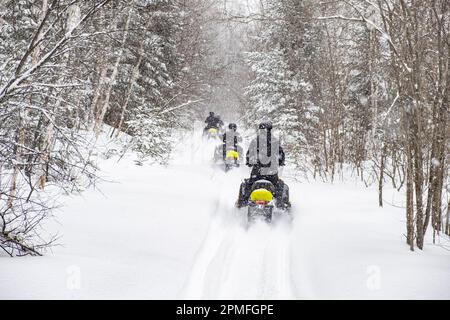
column 363, row 19
column 17, row 78
column 181, row 106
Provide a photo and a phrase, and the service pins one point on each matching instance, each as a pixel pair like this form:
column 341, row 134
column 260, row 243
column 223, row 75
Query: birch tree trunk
column 73, row 17
column 409, row 201
column 23, row 117
column 100, row 115
column 447, row 223
column 133, row 79
column 381, row 176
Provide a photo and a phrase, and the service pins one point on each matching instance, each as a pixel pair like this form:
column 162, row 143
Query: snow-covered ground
column 172, row 232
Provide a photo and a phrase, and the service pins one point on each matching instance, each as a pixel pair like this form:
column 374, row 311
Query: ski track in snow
column 235, row 262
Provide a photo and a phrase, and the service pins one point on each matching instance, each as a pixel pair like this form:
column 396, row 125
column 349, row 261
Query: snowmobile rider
column 231, row 139
column 264, row 156
column 213, row 121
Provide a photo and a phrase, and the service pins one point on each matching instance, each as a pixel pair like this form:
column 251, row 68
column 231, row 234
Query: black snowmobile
column 211, row 133
column 230, row 157
column 262, row 203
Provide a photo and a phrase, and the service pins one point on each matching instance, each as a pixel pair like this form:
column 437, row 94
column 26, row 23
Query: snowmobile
column 262, row 203
column 212, row 133
column 231, row 158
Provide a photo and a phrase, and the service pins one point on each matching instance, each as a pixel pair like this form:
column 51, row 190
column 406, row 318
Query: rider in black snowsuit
column 213, row 121
column 265, row 155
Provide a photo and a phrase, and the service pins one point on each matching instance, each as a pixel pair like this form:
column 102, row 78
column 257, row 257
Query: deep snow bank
column 346, row 247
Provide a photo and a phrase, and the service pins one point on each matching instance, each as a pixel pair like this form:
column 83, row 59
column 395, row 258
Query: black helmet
column 232, row 126
column 211, row 114
column 266, row 125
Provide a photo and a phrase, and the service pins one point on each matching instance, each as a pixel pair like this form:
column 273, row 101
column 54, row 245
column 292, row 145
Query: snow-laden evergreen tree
column 40, row 143
column 158, row 80
column 373, row 93
column 283, row 87
column 68, row 68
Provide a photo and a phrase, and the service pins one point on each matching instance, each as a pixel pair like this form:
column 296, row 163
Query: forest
column 358, row 86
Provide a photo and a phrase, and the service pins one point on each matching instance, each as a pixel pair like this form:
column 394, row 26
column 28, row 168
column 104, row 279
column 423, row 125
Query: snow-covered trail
column 172, row 232
column 233, row 262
